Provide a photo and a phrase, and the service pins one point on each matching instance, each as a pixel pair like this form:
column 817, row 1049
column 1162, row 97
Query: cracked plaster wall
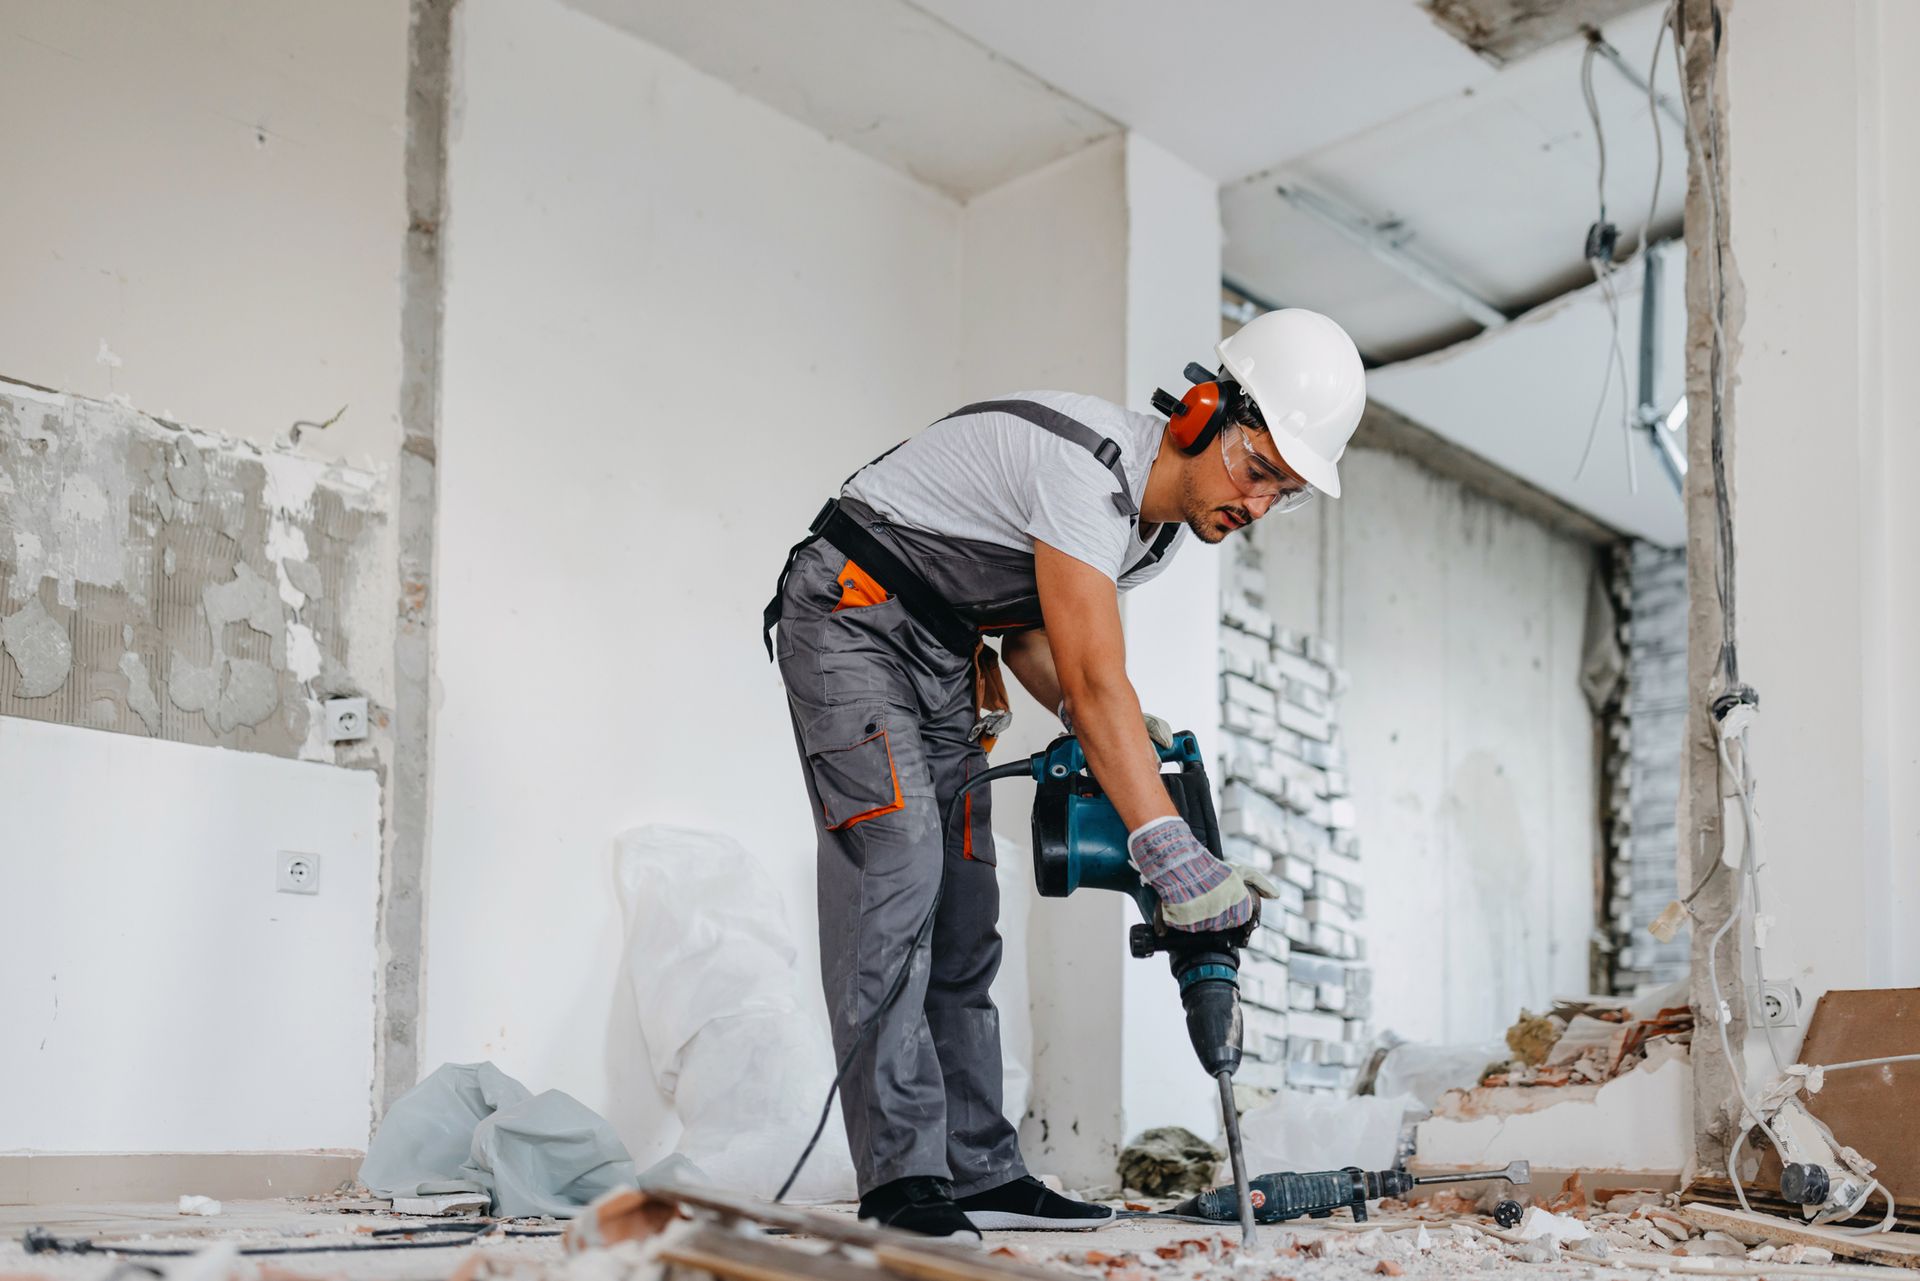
column 160, row 581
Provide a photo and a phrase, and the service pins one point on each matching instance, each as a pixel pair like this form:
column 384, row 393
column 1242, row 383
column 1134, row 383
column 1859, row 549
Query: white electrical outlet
column 346, row 719
column 297, row 873
column 1779, row 1004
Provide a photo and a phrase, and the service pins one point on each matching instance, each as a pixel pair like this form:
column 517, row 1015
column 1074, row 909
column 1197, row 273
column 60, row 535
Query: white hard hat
column 1305, row 375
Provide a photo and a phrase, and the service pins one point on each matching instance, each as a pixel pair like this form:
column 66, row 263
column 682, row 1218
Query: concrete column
column 1824, row 310
column 1100, row 273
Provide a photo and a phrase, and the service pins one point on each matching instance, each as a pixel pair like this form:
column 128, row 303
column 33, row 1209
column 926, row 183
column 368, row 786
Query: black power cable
column 899, row 984
column 39, row 1240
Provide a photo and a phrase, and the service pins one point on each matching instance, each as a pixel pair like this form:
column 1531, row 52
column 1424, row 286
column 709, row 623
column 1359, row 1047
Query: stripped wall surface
column 161, row 581
column 1471, row 749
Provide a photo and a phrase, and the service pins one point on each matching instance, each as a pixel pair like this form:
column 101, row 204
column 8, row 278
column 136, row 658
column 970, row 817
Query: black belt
column 852, row 539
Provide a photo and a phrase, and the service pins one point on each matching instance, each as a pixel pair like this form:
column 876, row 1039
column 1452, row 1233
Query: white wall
column 205, row 219
column 205, row 211
column 675, row 321
column 161, row 995
column 1824, row 186
column 1470, row 747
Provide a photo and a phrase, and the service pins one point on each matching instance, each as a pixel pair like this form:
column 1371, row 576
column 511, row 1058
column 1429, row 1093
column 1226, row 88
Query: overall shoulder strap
column 1104, row 451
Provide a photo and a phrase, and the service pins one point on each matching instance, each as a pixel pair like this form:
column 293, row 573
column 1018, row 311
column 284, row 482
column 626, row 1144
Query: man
column 1024, row 517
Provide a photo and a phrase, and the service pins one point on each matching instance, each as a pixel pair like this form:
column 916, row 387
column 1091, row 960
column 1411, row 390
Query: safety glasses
column 1257, row 476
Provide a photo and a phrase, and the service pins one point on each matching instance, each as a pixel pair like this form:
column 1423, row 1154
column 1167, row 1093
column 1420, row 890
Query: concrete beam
column 423, row 290
column 1391, row 432
column 1503, row 30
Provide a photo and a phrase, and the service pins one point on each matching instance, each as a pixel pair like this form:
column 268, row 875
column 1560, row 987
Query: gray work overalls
column 884, row 707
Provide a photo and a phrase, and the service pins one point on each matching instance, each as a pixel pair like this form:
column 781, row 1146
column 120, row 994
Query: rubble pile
column 1587, row 1041
column 1286, row 811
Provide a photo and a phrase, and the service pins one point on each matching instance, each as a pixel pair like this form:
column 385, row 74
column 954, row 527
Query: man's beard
column 1204, row 521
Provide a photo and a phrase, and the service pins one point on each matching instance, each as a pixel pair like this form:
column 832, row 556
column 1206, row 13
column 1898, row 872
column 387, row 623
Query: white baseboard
column 57, row 1178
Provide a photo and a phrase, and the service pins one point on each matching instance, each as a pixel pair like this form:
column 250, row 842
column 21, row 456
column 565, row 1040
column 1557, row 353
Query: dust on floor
column 1450, row 1246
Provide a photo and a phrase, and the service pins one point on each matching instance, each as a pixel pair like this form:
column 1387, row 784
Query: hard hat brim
column 1307, row 465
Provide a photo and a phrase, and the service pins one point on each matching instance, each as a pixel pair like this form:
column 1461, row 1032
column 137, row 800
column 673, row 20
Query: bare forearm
column 1107, row 720
column 1028, row 656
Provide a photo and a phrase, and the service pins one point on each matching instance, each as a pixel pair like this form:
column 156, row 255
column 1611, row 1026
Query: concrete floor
column 1131, row 1250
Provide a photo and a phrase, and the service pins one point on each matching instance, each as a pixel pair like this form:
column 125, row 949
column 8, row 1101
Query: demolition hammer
column 1079, row 842
column 1278, row 1197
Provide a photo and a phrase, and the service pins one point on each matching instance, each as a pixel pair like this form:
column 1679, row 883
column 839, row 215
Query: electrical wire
column 1860, row 1063
column 899, row 983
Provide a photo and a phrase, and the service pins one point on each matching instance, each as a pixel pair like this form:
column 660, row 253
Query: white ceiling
column 1497, row 185
column 881, row 76
column 1231, row 86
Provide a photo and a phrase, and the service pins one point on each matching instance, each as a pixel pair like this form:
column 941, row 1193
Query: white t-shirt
column 1003, row 480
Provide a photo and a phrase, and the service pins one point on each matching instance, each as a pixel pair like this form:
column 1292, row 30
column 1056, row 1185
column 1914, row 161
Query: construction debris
column 1587, row 1041
column 1169, row 1161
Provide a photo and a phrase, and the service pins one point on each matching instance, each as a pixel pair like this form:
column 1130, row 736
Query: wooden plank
column 903, row 1254
column 1883, row 1248
column 739, row 1256
column 1866, row 1107
column 1720, row 1192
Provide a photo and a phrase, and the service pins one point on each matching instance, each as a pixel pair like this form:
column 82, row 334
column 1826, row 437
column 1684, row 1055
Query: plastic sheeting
column 1299, row 1131
column 469, row 1127
column 716, row 983
column 1429, row 1071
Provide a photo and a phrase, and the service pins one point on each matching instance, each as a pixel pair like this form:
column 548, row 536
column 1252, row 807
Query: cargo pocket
column 976, row 824
column 856, row 781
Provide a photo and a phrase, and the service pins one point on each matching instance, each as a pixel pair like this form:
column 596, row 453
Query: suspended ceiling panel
column 1523, row 396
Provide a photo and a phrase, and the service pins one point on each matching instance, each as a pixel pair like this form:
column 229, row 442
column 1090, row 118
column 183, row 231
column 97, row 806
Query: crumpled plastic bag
column 1429, row 1071
column 715, row 973
column 550, row 1155
column 469, row 1127
column 1298, row 1131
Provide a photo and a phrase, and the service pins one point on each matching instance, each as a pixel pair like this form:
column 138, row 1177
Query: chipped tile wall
column 161, row 581
column 1287, row 811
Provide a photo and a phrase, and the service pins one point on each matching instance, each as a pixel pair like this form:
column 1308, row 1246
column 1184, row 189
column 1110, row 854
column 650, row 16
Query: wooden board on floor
column 1882, row 1248
column 1720, row 1192
column 1868, row 1109
column 900, row 1254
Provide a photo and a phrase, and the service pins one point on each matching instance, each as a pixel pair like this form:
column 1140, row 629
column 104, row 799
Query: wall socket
column 346, row 719
column 297, row 873
column 1779, row 1004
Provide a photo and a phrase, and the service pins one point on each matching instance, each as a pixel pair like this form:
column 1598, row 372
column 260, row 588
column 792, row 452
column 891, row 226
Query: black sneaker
column 1026, row 1204
column 921, row 1204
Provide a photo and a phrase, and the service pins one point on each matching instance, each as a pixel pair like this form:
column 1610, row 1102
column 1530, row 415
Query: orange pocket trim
column 966, row 834
column 857, row 588
column 899, row 802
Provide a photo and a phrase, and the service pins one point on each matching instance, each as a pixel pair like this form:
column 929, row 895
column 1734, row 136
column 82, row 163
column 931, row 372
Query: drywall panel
column 1470, row 747
column 160, row 994
column 676, row 320
column 1822, row 188
column 204, row 213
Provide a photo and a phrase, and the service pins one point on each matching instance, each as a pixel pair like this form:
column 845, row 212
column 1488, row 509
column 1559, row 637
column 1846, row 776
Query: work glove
column 1158, row 730
column 1197, row 891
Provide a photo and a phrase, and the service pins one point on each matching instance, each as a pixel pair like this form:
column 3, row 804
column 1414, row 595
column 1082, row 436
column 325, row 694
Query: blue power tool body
column 1080, row 842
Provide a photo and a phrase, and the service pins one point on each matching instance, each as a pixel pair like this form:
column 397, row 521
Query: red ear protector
column 1196, row 418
